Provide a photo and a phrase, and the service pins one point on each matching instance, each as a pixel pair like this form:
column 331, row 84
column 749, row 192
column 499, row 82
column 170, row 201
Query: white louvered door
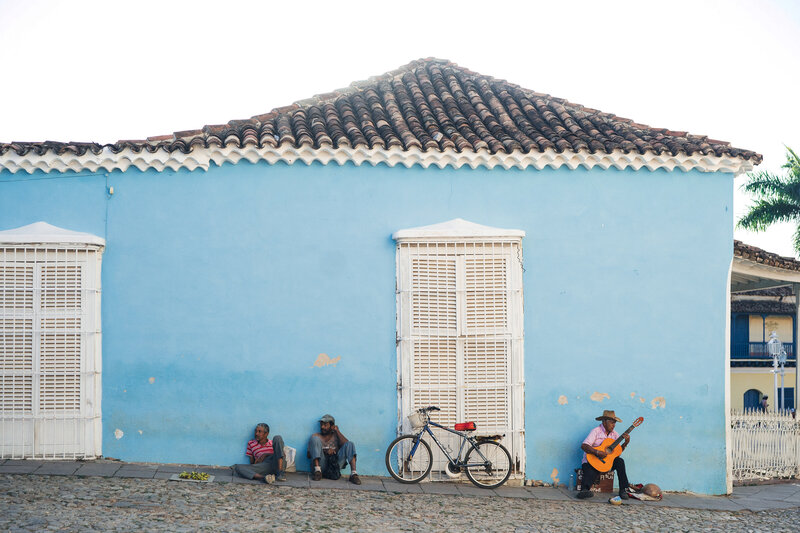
column 16, row 359
column 49, row 353
column 460, row 338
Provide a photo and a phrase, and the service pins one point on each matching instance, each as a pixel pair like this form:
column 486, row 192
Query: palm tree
column 777, row 198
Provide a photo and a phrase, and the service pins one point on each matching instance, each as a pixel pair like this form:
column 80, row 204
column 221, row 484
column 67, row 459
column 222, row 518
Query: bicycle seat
column 466, row 426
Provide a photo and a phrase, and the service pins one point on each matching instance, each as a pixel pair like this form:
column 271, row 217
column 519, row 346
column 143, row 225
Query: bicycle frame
column 464, row 439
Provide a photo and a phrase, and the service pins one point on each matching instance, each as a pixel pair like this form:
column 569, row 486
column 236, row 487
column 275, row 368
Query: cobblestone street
column 60, row 503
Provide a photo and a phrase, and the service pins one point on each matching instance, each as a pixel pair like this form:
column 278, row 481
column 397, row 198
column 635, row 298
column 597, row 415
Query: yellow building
column 763, row 302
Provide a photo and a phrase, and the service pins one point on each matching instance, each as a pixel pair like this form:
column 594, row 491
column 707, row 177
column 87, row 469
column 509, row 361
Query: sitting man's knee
column 314, row 447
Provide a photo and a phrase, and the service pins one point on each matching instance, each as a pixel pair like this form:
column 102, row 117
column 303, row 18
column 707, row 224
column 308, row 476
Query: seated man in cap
column 595, row 438
column 266, row 456
column 330, row 445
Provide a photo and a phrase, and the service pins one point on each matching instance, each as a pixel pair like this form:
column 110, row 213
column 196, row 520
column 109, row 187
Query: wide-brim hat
column 608, row 414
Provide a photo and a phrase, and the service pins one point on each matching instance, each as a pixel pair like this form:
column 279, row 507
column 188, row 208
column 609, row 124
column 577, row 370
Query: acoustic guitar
column 612, row 447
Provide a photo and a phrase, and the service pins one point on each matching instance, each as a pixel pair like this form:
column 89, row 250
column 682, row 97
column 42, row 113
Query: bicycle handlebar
column 431, row 408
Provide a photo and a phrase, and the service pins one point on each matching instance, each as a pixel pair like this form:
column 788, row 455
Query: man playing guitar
column 596, row 437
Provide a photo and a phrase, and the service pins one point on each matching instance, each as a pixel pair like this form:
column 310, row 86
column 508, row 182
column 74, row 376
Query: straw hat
column 608, row 414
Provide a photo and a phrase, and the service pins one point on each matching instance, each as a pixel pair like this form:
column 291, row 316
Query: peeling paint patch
column 599, row 396
column 324, row 360
column 657, row 402
column 152, row 380
column 642, row 400
column 562, row 400
column 140, row 432
column 118, row 433
column 633, row 394
column 554, row 475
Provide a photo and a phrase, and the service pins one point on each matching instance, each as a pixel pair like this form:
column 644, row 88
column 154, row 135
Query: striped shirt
column 256, row 450
column 596, row 437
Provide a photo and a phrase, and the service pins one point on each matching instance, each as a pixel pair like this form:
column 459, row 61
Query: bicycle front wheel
column 409, row 460
column 488, row 464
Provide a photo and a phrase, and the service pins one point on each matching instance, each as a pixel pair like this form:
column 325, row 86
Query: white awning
column 44, row 233
column 458, row 228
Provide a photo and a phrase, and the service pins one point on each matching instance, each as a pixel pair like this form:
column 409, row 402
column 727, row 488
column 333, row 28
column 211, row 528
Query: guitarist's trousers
column 590, row 474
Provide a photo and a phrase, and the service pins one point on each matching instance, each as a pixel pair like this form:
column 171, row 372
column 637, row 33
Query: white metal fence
column 764, row 445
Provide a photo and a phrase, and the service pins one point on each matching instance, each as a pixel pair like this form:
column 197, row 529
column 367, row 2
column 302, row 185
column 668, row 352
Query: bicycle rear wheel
column 492, row 471
column 409, row 460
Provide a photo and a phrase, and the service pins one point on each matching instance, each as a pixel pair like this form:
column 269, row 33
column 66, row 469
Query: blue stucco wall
column 225, row 285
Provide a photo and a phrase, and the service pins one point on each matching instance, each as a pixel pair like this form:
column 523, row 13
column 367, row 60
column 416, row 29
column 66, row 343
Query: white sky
column 104, row 71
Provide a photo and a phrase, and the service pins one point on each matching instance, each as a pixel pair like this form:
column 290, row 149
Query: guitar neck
column 620, row 438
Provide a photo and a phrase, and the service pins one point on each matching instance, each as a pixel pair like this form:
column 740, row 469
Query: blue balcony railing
column 758, row 350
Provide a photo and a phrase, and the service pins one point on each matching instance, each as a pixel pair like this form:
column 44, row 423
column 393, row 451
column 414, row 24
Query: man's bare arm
column 342, row 438
column 592, row 451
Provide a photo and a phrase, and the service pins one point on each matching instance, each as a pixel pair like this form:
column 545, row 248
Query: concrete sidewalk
column 752, row 498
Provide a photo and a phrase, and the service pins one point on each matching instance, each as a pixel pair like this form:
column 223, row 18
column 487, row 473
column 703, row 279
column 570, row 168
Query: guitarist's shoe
column 582, row 495
column 624, row 494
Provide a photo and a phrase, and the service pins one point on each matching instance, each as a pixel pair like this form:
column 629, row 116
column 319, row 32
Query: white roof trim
column 746, row 267
column 202, row 158
column 44, row 233
column 458, row 228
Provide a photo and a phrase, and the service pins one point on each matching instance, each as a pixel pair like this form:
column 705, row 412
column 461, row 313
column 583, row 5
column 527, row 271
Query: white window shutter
column 487, row 295
column 460, row 336
column 50, row 351
column 60, row 353
column 16, row 339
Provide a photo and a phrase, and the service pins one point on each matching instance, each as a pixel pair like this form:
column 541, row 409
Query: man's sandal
column 354, row 479
column 317, row 475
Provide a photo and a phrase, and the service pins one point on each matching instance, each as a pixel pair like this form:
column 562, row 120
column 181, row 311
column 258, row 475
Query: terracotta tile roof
column 428, row 105
column 774, row 291
column 757, row 255
column 761, row 306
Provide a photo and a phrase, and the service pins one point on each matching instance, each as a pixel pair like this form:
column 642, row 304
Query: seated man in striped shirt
column 266, row 457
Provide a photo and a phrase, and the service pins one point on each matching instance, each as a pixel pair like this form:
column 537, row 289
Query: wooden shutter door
column 59, row 425
column 460, row 331
column 16, row 358
column 50, row 352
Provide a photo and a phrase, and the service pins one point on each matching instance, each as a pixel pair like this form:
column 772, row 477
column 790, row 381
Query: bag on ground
column 331, row 470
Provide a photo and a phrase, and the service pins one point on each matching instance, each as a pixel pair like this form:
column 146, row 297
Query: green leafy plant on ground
column 197, row 476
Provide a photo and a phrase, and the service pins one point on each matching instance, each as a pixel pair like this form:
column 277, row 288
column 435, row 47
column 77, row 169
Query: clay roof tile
column 430, row 104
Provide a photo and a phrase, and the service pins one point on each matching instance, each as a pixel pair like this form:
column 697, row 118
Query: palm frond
column 770, row 186
column 769, row 211
column 792, row 164
column 796, row 239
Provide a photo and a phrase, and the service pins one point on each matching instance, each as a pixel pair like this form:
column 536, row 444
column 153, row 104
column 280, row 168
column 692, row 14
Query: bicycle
column 486, row 462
